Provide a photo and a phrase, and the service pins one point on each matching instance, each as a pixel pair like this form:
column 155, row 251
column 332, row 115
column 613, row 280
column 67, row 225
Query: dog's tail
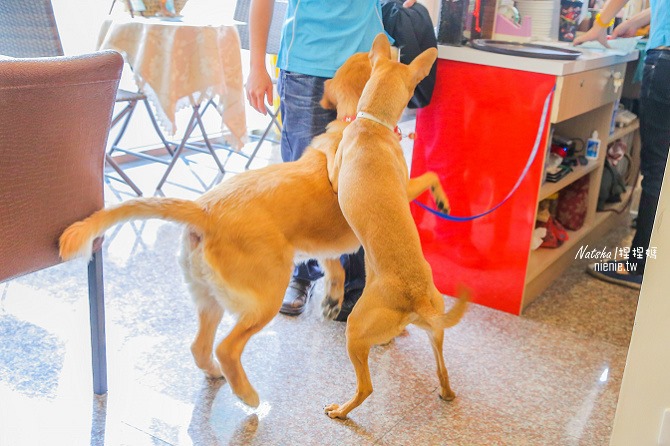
column 455, row 313
column 77, row 239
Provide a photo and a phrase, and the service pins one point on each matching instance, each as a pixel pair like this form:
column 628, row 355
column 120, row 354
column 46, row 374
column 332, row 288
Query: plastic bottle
column 593, row 146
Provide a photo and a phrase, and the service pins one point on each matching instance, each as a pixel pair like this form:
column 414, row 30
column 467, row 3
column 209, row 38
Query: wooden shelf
column 549, row 188
column 542, row 258
column 620, row 132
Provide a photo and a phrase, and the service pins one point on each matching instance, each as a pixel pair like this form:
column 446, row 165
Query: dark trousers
column 303, row 119
column 655, row 135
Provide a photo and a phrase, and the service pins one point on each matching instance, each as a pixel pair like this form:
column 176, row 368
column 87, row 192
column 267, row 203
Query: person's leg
column 302, row 115
column 354, row 268
column 302, row 119
column 654, row 117
column 655, row 135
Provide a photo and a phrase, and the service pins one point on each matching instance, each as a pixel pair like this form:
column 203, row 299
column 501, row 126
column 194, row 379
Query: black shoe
column 350, row 299
column 296, row 297
column 615, row 272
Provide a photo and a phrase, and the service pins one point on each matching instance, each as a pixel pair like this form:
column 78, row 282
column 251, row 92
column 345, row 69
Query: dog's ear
column 328, row 101
column 381, row 49
column 422, row 64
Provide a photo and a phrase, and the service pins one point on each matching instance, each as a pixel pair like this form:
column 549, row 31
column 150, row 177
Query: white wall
column 645, row 389
column 79, row 22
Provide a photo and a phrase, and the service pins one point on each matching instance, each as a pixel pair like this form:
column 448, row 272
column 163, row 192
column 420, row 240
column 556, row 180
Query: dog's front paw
column 331, row 307
column 441, row 200
column 443, row 206
column 333, row 412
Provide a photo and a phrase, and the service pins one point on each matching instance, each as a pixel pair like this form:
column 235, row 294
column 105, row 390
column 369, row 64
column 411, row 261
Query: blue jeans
column 655, row 135
column 302, row 120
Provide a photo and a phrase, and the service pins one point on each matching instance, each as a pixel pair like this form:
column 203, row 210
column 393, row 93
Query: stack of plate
column 544, row 16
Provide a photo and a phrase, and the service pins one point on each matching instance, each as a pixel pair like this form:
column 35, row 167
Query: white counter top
column 589, row 60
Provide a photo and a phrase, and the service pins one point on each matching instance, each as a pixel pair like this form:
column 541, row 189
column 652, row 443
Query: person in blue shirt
column 654, row 124
column 317, row 37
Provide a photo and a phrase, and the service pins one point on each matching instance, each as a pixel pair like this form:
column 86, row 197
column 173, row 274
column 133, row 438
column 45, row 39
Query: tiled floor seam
column 154, row 437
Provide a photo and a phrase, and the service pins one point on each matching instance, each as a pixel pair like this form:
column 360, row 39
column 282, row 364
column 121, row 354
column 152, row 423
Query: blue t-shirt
column 319, row 35
column 659, row 28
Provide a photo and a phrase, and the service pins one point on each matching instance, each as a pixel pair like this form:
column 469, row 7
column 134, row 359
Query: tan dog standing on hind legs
column 371, row 178
column 242, row 236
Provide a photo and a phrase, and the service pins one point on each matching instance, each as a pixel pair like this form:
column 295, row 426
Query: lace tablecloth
column 179, row 64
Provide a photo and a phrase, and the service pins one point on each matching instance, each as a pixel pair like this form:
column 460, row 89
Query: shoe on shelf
column 615, row 272
column 350, row 299
column 296, row 297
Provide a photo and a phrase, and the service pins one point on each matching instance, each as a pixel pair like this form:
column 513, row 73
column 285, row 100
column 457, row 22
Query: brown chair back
column 54, row 121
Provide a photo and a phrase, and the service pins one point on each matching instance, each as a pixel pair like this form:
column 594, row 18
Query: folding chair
column 28, row 29
column 54, row 123
column 241, row 14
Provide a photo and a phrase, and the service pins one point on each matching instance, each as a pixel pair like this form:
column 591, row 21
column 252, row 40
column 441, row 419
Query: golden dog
column 371, row 178
column 242, row 236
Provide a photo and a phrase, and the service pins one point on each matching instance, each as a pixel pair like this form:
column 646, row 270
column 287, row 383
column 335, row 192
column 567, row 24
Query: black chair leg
column 96, row 302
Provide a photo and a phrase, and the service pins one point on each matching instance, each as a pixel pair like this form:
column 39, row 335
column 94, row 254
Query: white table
column 179, row 65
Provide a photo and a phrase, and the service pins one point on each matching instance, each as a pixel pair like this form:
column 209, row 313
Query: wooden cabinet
column 545, row 265
column 582, row 92
column 477, row 134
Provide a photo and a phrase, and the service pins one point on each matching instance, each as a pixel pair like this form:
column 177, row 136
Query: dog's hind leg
column 428, row 180
column 436, row 342
column 366, row 326
column 334, row 287
column 436, row 336
column 229, row 351
column 359, row 351
column 209, row 316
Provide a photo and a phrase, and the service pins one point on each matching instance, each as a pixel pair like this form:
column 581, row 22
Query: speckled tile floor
column 549, row 377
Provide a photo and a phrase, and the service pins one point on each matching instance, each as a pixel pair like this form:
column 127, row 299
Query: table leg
column 207, row 142
column 177, row 153
column 157, row 127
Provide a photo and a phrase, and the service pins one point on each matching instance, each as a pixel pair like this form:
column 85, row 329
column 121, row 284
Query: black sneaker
column 350, row 299
column 296, row 297
column 613, row 272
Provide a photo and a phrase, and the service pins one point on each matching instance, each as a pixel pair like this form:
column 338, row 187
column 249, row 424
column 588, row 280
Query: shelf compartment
column 620, row 132
column 549, row 188
column 542, row 258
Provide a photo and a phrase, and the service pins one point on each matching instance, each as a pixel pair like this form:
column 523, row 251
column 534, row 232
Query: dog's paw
column 333, row 412
column 215, row 376
column 213, row 370
column 443, row 206
column 330, row 307
column 250, row 398
column 441, row 200
column 447, row 395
